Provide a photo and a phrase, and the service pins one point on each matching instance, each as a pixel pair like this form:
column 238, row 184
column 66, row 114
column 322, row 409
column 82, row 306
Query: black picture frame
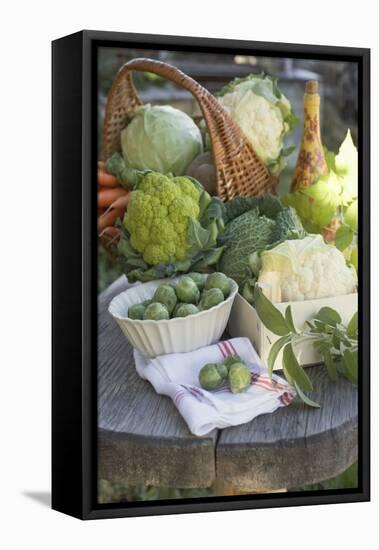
column 74, row 274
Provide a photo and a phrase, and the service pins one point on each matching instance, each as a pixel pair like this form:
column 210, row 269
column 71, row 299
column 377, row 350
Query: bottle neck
column 312, row 115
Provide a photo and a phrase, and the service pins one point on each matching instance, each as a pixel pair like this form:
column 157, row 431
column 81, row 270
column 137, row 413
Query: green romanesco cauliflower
column 158, row 216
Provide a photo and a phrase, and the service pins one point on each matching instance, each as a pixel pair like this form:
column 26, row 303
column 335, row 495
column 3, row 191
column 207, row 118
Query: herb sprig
column 336, row 343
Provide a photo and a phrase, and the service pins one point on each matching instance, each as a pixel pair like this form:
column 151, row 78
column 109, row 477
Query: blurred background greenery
column 339, row 111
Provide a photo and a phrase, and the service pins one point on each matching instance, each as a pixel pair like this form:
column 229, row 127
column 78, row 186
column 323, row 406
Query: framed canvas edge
column 89, row 508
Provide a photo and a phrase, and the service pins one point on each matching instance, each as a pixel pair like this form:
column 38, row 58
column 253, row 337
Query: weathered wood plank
column 295, row 445
column 142, row 437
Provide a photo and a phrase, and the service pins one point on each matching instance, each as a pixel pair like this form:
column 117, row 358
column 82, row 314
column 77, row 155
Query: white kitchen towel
column 176, row 375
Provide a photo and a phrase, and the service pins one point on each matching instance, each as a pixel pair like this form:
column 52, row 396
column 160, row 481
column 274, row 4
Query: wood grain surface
column 295, row 445
column 143, row 438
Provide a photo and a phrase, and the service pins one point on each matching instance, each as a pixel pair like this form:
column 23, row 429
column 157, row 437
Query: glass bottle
column 311, row 163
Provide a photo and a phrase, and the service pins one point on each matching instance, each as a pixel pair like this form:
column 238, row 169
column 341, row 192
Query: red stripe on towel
column 225, row 346
column 263, row 382
column 221, row 349
column 233, row 348
column 228, row 348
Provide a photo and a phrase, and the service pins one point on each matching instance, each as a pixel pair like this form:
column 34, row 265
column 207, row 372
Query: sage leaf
column 336, row 339
column 287, row 375
column 307, row 400
column 319, row 325
column 314, row 328
column 289, row 319
column 319, row 345
column 350, row 361
column 296, row 372
column 274, row 351
column 269, row 314
column 352, row 327
column 329, row 316
column 329, row 363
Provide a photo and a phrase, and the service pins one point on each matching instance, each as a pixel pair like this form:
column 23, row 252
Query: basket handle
column 239, row 170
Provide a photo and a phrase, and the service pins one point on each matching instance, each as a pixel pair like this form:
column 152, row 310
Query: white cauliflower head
column 264, row 115
column 259, row 120
column 307, row 269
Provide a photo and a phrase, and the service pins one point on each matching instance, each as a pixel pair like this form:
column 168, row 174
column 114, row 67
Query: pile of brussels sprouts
column 232, row 371
column 193, row 293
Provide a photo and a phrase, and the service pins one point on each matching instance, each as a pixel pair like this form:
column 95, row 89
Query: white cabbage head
column 162, row 139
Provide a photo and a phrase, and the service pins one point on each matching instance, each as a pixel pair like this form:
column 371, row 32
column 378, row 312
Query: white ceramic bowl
column 178, row 335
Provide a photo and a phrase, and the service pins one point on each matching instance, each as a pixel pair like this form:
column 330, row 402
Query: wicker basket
column 239, row 170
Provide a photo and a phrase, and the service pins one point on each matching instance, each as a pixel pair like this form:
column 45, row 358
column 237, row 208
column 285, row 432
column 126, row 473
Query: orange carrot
column 121, row 202
column 105, row 197
column 109, row 218
column 106, row 179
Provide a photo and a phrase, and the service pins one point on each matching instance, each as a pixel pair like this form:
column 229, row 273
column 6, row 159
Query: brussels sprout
column 231, row 359
column 147, row 302
column 136, row 311
column 165, row 294
column 213, row 376
column 199, row 279
column 219, row 280
column 239, row 377
column 156, row 312
column 210, row 298
column 183, row 310
column 187, row 291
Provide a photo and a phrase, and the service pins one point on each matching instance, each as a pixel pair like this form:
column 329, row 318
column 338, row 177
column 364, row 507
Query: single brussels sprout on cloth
column 212, row 376
column 156, row 312
column 165, row 294
column 231, row 359
column 199, row 279
column 136, row 311
column 211, row 298
column 219, row 280
column 239, row 377
column 187, row 291
column 183, row 310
